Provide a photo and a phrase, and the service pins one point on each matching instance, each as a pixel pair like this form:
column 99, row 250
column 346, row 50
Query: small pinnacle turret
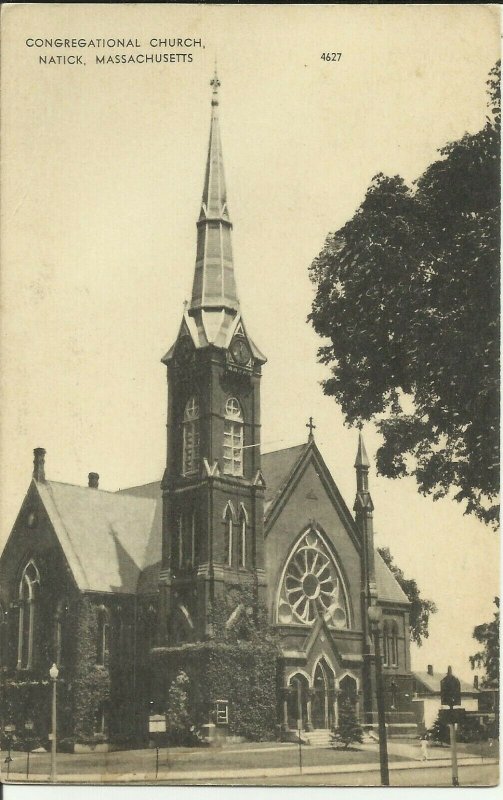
column 361, row 454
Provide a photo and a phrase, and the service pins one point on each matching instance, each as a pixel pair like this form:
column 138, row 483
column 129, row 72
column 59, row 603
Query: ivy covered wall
column 239, row 663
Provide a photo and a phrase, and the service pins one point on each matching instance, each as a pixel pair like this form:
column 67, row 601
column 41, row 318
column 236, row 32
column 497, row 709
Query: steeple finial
column 215, row 83
column 361, row 454
column 311, row 427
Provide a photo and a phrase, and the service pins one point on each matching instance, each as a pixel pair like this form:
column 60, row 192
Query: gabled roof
column 430, row 684
column 112, row 540
column 277, row 467
column 388, row 588
column 104, row 535
column 282, row 468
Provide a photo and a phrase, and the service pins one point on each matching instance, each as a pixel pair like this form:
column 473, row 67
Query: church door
column 297, row 701
column 323, row 697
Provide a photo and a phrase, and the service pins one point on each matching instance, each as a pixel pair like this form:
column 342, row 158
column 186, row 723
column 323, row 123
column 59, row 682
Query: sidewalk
column 227, row 775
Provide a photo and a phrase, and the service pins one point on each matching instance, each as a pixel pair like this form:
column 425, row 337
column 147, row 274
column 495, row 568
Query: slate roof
column 388, row 587
column 430, row 684
column 277, row 467
column 112, row 540
column 103, row 534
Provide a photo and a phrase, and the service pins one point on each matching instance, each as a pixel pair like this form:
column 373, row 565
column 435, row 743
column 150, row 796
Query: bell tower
column 213, row 490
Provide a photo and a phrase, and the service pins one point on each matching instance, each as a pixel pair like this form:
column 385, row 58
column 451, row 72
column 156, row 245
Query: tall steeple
column 214, row 286
column 213, row 492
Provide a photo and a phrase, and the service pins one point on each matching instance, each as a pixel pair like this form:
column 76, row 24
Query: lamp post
column 28, row 726
column 9, row 732
column 53, row 672
column 375, row 615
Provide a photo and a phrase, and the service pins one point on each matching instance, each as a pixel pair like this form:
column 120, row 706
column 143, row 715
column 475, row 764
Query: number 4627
column 331, row 56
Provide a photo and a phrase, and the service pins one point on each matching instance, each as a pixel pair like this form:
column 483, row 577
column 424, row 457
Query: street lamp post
column 53, row 672
column 374, row 615
column 28, row 726
column 9, row 732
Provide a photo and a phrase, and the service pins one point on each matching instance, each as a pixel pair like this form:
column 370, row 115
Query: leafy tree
column 349, row 729
column 487, row 635
column 407, row 297
column 420, row 609
column 177, row 713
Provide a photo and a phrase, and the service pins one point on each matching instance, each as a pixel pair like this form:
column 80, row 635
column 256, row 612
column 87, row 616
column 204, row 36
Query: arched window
column 191, row 436
column 394, row 644
column 103, row 637
column 228, row 535
column 242, row 537
column 233, row 438
column 386, row 644
column 28, row 592
column 312, row 585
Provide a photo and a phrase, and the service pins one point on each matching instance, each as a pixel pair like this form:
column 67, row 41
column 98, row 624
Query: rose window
column 311, row 585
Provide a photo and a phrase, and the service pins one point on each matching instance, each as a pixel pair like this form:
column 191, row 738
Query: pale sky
column 102, row 177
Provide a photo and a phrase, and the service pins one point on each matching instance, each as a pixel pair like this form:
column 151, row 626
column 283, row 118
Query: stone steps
column 319, row 737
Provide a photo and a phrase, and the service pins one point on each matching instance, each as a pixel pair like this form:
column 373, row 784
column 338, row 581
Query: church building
column 246, row 571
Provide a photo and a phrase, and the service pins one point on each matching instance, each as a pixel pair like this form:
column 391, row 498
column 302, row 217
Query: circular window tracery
column 311, row 584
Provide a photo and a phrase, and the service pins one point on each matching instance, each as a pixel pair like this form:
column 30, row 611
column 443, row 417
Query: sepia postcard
column 250, row 395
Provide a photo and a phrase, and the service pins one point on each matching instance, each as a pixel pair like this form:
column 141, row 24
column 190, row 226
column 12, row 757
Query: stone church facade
column 124, row 589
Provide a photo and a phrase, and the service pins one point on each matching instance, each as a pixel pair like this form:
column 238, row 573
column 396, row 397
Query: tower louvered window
column 233, row 438
column 191, row 436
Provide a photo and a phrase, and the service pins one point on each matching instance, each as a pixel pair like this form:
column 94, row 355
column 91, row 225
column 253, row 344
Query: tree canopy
column 488, row 657
column 407, row 297
column 420, row 608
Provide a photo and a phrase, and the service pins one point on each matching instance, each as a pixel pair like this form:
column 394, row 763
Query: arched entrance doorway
column 323, row 696
column 297, row 701
column 348, row 693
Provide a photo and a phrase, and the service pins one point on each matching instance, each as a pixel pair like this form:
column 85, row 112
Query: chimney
column 475, row 681
column 94, row 479
column 39, row 464
column 430, row 669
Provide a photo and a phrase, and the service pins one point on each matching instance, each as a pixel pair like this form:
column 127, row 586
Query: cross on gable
column 311, row 427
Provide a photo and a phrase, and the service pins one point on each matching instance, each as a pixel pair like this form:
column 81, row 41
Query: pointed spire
column 214, row 287
column 361, row 455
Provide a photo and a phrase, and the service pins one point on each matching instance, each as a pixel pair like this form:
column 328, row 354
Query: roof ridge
column 111, row 492
column 284, row 449
column 138, row 486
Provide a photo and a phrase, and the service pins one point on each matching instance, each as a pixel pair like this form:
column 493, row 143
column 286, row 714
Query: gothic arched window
column 394, row 644
column 228, row 534
column 103, row 637
column 191, row 436
column 386, row 644
column 242, row 537
column 233, row 438
column 312, row 585
column 28, row 591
